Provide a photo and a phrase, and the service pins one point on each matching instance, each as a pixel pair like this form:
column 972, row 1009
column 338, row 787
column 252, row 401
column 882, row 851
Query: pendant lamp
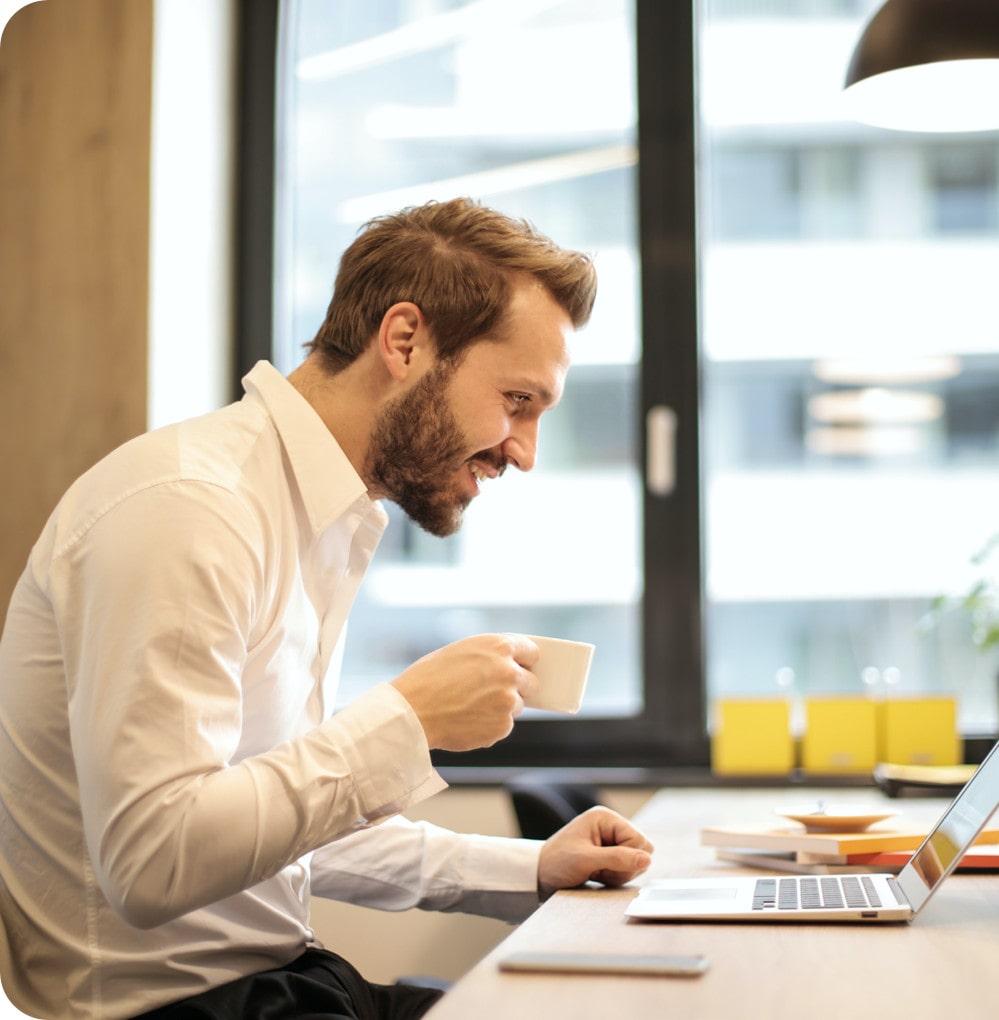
column 928, row 65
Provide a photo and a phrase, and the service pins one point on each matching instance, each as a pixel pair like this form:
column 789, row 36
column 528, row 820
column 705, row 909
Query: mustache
column 492, row 460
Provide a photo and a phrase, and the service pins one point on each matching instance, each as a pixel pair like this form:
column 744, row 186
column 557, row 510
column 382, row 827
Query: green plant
column 980, row 603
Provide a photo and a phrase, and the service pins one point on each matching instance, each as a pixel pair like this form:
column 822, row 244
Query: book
column 777, row 861
column 979, row 857
column 793, row 840
column 976, row 858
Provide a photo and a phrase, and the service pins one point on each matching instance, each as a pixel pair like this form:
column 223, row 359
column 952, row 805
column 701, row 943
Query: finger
column 615, row 830
column 621, row 861
column 638, row 840
column 527, row 684
column 523, row 650
column 518, row 707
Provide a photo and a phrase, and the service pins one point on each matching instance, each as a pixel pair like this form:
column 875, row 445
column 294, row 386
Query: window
column 850, row 373
column 964, row 188
column 824, row 530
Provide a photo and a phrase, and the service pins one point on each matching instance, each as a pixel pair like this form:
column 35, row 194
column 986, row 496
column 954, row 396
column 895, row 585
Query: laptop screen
column 943, row 848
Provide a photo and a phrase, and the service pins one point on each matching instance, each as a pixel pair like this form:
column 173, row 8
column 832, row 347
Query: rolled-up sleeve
column 155, row 603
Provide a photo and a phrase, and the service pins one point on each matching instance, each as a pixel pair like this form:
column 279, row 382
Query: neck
column 347, row 403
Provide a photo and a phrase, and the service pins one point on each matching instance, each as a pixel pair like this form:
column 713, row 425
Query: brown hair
column 454, row 260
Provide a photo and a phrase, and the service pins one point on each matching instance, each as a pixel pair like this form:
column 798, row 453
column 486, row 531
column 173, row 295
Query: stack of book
column 821, row 853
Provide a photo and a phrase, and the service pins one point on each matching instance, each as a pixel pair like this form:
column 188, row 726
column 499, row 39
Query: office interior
column 808, row 300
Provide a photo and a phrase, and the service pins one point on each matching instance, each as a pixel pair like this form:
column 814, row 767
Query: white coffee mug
column 562, row 670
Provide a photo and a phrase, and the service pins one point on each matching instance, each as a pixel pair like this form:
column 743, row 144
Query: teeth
column 480, row 475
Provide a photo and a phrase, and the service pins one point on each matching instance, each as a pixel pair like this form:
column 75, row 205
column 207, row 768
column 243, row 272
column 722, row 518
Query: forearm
column 402, row 864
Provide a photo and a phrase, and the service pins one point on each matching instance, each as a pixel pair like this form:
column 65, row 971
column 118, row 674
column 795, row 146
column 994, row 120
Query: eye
column 519, row 399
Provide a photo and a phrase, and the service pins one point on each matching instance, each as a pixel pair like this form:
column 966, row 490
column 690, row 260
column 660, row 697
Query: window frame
column 671, row 732
column 671, row 729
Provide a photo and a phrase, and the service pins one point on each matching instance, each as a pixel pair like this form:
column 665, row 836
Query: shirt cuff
column 503, row 873
column 387, row 753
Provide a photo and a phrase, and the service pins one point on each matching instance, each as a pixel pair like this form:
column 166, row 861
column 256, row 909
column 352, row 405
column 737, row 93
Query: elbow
column 143, row 909
column 158, row 887
column 140, row 895
column 143, row 915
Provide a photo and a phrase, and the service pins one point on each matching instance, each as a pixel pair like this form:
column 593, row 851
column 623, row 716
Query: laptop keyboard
column 856, row 892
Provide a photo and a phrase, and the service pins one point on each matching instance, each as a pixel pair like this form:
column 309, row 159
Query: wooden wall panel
column 75, row 96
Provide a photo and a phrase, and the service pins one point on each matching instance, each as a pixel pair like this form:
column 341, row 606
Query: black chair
column 542, row 808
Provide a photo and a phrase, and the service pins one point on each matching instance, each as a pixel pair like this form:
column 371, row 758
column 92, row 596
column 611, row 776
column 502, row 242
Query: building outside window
column 848, row 352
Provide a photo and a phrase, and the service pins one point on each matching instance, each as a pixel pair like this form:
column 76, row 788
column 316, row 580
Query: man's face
column 457, row 425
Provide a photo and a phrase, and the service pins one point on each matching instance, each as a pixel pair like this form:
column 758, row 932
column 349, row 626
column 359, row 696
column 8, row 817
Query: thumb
column 621, row 858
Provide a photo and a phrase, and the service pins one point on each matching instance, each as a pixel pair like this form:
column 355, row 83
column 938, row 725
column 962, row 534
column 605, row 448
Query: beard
column 416, row 448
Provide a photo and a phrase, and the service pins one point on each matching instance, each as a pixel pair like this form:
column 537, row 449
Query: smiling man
column 444, row 423
column 174, row 784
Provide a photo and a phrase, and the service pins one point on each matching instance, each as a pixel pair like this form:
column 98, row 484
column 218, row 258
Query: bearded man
column 173, row 782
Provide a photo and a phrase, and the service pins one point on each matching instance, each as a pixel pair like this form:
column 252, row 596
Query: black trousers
column 318, row 985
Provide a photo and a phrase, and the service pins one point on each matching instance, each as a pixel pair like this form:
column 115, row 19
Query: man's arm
column 156, row 605
column 402, row 864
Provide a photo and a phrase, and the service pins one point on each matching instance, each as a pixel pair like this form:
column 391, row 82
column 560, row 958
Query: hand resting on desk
column 598, row 845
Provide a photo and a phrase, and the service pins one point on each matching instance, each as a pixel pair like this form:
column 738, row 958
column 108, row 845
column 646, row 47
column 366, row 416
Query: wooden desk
column 943, row 965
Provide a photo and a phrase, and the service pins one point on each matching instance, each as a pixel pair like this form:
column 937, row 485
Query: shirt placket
column 341, row 583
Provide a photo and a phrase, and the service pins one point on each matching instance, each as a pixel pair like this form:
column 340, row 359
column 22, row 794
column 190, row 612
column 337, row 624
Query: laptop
column 872, row 898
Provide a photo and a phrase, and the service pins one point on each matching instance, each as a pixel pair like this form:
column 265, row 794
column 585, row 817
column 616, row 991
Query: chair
column 542, row 808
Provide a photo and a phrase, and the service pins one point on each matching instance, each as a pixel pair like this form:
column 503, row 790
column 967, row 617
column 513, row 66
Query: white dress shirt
column 173, row 781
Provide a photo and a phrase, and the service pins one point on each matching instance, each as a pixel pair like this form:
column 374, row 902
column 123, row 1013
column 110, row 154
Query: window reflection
column 955, row 832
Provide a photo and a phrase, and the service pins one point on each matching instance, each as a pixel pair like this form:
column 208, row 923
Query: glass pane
column 392, row 104
column 851, row 369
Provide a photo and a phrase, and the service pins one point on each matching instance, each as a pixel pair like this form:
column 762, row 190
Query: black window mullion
column 257, row 34
column 673, row 616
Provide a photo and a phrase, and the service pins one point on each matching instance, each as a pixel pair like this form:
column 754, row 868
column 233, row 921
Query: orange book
column 828, row 845
column 976, row 857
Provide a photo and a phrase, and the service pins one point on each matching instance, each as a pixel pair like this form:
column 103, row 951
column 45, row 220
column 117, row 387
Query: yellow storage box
column 919, row 731
column 841, row 735
column 752, row 736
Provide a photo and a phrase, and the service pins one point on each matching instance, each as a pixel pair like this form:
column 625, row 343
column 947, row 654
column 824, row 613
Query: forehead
column 531, row 348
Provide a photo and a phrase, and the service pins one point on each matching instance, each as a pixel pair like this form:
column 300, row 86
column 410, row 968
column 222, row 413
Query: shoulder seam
column 88, row 525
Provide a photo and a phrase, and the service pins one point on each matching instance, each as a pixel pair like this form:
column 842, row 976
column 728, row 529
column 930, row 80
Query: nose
column 520, row 448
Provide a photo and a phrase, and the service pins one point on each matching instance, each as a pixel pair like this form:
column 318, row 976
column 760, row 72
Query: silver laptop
column 835, row 897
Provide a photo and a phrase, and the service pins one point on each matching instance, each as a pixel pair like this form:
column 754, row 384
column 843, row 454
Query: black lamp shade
column 928, row 65
column 904, row 33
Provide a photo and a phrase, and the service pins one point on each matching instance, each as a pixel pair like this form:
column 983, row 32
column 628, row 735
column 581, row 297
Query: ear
column 403, row 340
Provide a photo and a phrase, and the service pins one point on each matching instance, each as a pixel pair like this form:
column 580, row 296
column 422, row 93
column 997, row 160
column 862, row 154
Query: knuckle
column 505, row 648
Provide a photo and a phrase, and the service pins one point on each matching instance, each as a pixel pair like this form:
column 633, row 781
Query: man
column 173, row 783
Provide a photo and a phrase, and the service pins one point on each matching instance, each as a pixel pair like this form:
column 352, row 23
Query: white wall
column 191, row 208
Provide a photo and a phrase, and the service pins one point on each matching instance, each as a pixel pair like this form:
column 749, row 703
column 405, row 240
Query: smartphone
column 605, row 963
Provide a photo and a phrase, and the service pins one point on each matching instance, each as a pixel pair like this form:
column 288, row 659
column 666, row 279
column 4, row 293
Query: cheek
column 490, row 431
column 483, row 425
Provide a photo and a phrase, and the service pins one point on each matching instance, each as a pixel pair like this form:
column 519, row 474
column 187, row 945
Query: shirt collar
column 326, row 479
